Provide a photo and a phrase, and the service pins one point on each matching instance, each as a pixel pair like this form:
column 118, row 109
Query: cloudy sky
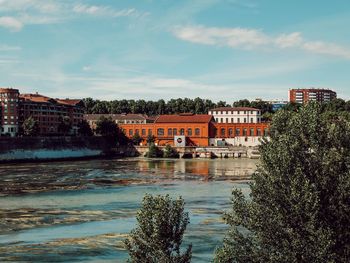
column 151, row 49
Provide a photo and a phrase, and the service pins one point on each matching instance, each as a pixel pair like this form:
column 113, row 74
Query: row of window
column 243, row 132
column 238, row 120
column 170, row 132
column 234, row 112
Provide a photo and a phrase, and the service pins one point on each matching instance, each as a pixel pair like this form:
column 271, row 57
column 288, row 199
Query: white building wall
column 250, row 141
column 236, row 116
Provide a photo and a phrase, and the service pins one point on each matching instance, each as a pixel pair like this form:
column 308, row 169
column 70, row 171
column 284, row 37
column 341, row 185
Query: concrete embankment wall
column 50, row 148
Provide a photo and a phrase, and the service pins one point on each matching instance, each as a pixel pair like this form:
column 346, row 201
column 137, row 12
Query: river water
column 81, row 211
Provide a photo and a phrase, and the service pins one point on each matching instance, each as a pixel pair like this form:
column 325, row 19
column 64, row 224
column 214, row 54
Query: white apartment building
column 236, row 115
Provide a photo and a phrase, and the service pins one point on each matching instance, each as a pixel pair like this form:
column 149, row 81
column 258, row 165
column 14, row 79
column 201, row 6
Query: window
column 174, row 132
column 222, row 132
column 222, row 120
column 217, row 119
column 197, row 132
column 251, row 120
column 266, row 132
column 143, row 132
column 232, row 120
column 238, row 120
column 245, row 132
column 160, row 132
column 237, row 112
column 137, row 131
column 230, row 132
column 251, row 132
column 131, row 132
column 170, row 132
column 245, row 120
column 245, row 112
column 182, row 131
column 189, row 132
column 238, row 132
column 149, row 131
column 258, row 132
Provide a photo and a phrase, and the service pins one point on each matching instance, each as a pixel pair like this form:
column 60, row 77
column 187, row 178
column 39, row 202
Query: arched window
column 230, row 132
column 258, row 132
column 197, row 132
column 160, row 132
column 251, row 133
column 189, row 132
column 238, row 132
column 175, row 132
column 245, row 133
column 170, row 132
column 182, row 131
column 223, row 132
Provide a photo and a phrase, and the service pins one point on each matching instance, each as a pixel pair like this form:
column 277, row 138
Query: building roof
column 118, row 116
column 234, row 109
column 184, row 118
column 38, row 98
column 9, row 90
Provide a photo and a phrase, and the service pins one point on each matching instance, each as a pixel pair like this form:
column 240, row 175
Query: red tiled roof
column 234, row 109
column 69, row 102
column 184, row 118
column 43, row 99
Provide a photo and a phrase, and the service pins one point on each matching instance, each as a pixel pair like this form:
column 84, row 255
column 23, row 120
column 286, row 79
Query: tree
column 136, row 139
column 154, row 151
column 84, row 128
column 161, row 223
column 299, row 205
column 106, row 127
column 170, row 152
column 30, row 127
column 64, row 125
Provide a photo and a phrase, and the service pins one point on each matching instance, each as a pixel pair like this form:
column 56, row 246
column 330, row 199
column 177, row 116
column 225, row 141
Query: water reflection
column 81, row 211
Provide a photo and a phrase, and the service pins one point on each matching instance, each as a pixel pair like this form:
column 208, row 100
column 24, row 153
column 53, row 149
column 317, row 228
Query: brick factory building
column 197, row 130
column 305, row 95
column 48, row 112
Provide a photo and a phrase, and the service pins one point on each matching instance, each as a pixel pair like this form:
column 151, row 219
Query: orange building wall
column 207, row 130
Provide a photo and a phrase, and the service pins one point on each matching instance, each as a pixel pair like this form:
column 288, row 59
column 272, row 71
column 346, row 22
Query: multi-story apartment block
column 9, row 118
column 48, row 112
column 236, row 115
column 305, row 95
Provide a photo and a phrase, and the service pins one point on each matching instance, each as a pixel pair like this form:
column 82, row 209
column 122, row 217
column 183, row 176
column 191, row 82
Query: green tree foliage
column 65, row 125
column 264, row 106
column 299, row 205
column 154, row 151
column 106, row 127
column 30, row 127
column 136, row 139
column 170, row 152
column 84, row 129
column 161, row 223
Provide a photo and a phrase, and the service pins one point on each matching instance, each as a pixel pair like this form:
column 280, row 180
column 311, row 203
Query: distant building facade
column 236, row 115
column 305, row 95
column 48, row 112
column 119, row 119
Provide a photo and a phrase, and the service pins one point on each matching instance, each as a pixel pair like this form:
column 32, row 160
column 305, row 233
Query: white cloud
column 10, row 23
column 105, row 11
column 251, row 38
column 9, row 48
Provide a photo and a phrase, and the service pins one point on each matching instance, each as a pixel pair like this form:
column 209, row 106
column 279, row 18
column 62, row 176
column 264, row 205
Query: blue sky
column 152, row 49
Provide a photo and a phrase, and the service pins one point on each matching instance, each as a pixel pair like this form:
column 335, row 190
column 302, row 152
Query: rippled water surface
column 81, row 211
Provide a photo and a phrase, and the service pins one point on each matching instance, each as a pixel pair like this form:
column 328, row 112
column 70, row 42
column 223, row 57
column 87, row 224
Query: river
column 81, row 211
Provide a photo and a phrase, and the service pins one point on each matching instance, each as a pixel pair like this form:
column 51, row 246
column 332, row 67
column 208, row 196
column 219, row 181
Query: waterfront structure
column 305, row 95
column 236, row 115
column 119, row 118
column 197, row 130
column 9, row 118
column 48, row 112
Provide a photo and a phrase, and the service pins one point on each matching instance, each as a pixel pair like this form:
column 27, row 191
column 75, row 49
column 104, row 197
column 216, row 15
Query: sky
column 162, row 49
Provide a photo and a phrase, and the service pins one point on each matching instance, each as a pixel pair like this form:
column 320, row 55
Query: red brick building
column 305, row 95
column 16, row 108
column 197, row 130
